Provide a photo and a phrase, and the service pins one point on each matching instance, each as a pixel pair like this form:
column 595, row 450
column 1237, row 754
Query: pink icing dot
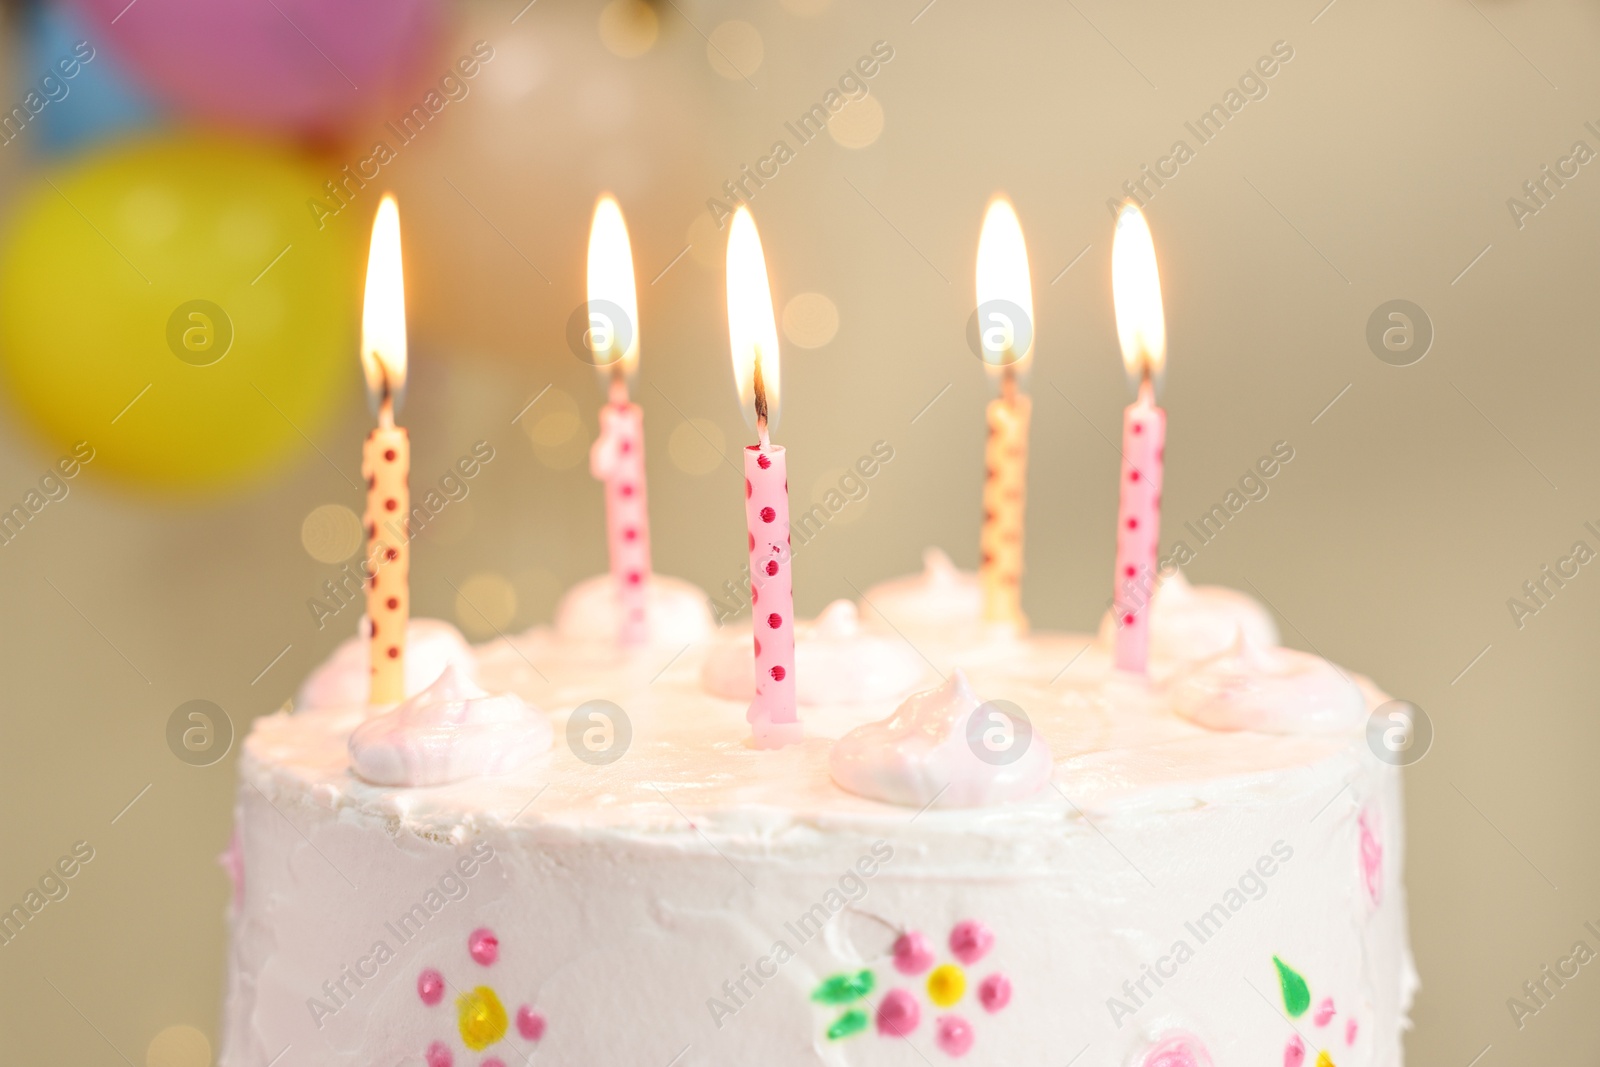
column 898, row 1013
column 1350, row 1029
column 970, row 941
column 748, row 489
column 1294, row 1053
column 1371, row 857
column 430, row 987
column 439, row 1056
column 778, row 674
column 767, row 514
column 772, row 567
column 1178, row 1050
column 1324, row 1012
column 995, row 992
column 912, row 953
column 954, row 1035
column 530, row 1024
column 763, row 462
column 483, row 945
column 774, row 620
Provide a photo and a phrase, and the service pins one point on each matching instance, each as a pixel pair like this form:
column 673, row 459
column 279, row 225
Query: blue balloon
column 74, row 92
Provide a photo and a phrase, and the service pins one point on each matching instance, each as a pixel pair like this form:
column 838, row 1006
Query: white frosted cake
column 1197, row 868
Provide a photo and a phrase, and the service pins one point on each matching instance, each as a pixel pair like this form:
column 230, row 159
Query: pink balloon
column 312, row 67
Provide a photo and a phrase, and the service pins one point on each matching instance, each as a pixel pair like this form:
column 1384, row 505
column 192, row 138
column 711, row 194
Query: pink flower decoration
column 430, row 987
column 232, row 861
column 898, row 1013
column 1324, row 1012
column 1371, row 856
column 439, row 1056
column 1294, row 1053
column 483, row 945
column 970, row 941
column 995, row 992
column 1350, row 1032
column 912, row 953
column 1178, row 1050
column 530, row 1024
column 954, row 1035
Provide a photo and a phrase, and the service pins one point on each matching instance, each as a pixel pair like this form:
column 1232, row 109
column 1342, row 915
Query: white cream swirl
column 836, row 662
column 930, row 748
column 344, row 679
column 1189, row 622
column 940, row 596
column 1267, row 690
column 450, row 731
column 678, row 611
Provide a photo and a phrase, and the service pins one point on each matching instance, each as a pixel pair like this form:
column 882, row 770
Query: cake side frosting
column 739, row 905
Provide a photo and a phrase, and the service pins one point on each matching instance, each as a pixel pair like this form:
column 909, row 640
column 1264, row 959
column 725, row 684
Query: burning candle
column 386, row 459
column 1142, row 332
column 617, row 458
column 753, row 336
column 1005, row 337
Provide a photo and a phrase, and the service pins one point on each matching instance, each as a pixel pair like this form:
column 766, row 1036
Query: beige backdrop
column 1377, row 166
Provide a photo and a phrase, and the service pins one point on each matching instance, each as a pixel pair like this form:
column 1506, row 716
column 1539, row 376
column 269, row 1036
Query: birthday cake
column 991, row 846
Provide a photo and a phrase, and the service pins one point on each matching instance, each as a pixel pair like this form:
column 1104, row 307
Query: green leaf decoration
column 843, row 988
column 1296, row 996
column 850, row 1023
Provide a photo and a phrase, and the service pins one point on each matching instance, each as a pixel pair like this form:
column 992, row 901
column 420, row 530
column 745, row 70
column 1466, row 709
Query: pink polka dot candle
column 617, row 458
column 1005, row 337
column 386, row 459
column 753, row 335
column 1142, row 332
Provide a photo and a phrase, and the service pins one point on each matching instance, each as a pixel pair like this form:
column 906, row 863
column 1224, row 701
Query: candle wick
column 760, row 388
column 1008, row 384
column 619, row 384
column 386, row 408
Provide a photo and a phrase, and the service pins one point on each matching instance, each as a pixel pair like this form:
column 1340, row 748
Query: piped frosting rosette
column 941, row 596
column 343, row 681
column 1189, row 622
column 837, row 661
column 450, row 731
column 941, row 744
column 1267, row 690
column 592, row 612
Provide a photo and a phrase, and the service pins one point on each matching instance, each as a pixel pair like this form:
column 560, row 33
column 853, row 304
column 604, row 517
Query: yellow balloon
column 173, row 303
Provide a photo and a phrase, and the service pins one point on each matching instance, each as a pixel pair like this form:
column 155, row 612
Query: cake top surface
column 642, row 746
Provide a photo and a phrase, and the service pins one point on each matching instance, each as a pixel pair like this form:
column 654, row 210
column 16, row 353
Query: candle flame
column 1003, row 279
column 752, row 329
column 383, row 312
column 1136, row 294
column 613, row 334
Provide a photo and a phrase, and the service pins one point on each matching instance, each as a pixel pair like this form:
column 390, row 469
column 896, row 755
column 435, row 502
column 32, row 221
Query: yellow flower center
column 482, row 1018
column 1323, row 1059
column 946, row 985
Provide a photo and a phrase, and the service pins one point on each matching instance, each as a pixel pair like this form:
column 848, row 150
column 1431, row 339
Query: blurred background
column 169, row 158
